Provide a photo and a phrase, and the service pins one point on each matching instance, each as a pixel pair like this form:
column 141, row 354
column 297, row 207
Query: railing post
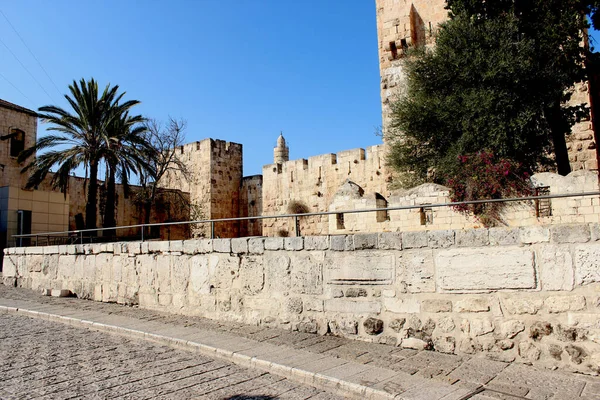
column 212, row 229
column 80, row 237
column 297, row 225
column 142, row 233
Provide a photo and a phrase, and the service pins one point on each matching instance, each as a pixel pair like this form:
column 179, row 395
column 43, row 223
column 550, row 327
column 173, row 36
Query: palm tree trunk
column 92, row 198
column 109, row 207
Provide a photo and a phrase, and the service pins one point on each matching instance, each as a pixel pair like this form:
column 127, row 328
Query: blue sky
column 240, row 70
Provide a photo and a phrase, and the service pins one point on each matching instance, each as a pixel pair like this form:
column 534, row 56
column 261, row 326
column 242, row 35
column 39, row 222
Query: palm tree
column 125, row 150
column 83, row 131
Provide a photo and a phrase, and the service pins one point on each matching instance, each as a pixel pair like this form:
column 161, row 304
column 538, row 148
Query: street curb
column 316, row 380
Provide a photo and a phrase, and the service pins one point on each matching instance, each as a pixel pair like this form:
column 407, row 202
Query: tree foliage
column 497, row 80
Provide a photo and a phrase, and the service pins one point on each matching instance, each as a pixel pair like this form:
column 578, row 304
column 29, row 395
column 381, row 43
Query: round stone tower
column 281, row 153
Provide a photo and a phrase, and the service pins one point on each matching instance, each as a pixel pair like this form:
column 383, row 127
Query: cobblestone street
column 49, row 360
column 54, row 360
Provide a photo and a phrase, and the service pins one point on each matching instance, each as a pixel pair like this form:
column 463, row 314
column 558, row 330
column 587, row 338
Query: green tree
column 497, row 80
column 79, row 141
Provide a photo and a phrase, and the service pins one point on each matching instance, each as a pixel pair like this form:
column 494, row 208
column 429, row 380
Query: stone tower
column 281, row 153
column 402, row 24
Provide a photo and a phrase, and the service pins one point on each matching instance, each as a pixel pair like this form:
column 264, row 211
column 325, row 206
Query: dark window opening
column 404, row 44
column 426, row 215
column 340, row 221
column 17, row 142
column 394, row 50
column 381, row 202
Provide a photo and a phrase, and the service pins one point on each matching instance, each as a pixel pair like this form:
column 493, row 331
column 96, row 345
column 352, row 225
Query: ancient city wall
column 314, row 182
column 251, row 205
column 213, row 178
column 527, row 294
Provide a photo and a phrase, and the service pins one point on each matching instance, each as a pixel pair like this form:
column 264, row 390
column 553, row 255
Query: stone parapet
column 528, row 294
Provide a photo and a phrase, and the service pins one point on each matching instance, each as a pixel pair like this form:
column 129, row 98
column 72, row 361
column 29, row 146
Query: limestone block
column 221, row 245
column 529, row 351
column 446, row 324
column 278, row 270
column 587, row 263
column 201, row 273
column 555, row 266
column 52, row 249
column 570, row 233
column 511, row 328
column 158, row 247
column 341, row 243
column 353, row 307
column 485, row 269
column 402, row 306
column 180, row 274
column 414, row 343
column 306, row 272
column 415, row 272
column 472, row 238
column 261, row 303
column 559, row 304
column 9, row 267
column 504, row 236
column 274, row 243
column 252, row 275
column 163, row 273
column 436, row 306
column 312, row 304
column 366, row 268
column 479, row 327
column 34, row 263
column 298, row 243
column 316, row 242
column 239, row 246
column 176, row 246
column 89, row 267
column 256, row 245
column 191, row 247
column 205, row 246
column 441, row 239
column 364, row 241
column 389, row 241
column 444, row 344
column 584, row 320
column 60, row 293
column 594, row 232
column 226, row 269
column 522, row 305
column 534, row 234
column 472, row 304
column 414, row 239
column 346, row 327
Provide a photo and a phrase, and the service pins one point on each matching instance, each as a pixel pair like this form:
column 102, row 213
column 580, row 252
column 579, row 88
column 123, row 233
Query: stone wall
column 251, row 205
column 526, row 294
column 314, row 182
column 570, row 210
column 214, row 180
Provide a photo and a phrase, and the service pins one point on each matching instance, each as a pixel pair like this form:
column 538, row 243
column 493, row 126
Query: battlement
column 352, row 156
column 215, row 145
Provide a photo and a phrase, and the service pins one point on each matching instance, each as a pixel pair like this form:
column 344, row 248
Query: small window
column 340, row 220
column 426, row 215
column 381, row 202
column 17, row 142
column 394, row 50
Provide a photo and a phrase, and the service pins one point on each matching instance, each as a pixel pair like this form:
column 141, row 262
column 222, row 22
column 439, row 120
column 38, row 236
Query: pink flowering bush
column 483, row 176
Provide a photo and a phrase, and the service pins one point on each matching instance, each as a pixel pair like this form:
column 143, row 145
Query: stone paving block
column 478, row 370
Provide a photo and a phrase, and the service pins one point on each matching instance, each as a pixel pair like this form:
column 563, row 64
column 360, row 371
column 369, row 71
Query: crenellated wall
column 213, row 178
column 314, row 182
column 526, row 294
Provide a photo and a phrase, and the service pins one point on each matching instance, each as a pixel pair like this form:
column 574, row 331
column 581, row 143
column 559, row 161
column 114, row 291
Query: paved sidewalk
column 346, row 367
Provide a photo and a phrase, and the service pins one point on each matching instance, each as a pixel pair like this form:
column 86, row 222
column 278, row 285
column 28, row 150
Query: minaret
column 281, row 153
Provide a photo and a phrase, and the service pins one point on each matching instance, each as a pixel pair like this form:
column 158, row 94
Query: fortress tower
column 402, row 24
column 281, row 153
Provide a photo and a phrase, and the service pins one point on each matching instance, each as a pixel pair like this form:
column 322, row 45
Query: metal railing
column 90, row 235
